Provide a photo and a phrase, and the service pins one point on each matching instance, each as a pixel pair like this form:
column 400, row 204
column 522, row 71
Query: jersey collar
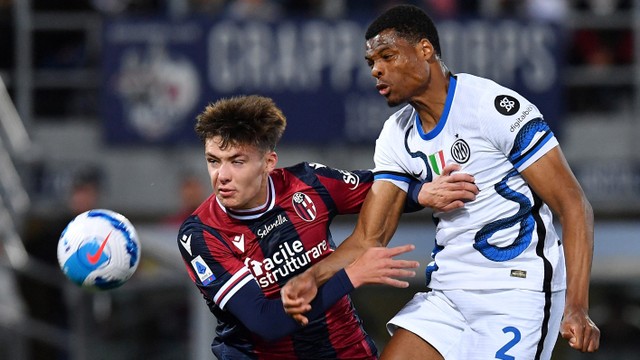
column 445, row 113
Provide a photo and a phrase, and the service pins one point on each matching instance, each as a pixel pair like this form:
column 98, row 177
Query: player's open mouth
column 383, row 89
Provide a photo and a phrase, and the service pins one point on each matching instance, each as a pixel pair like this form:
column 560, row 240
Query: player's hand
column 448, row 191
column 377, row 266
column 297, row 294
column 579, row 330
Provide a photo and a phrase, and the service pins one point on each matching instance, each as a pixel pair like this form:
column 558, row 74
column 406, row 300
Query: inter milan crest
column 506, row 105
column 460, row 151
column 304, row 206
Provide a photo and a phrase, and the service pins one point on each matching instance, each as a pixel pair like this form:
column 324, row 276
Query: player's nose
column 224, row 173
column 376, row 71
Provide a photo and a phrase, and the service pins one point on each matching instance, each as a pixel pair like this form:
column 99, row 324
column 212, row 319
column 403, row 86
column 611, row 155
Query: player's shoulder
column 195, row 229
column 398, row 122
column 493, row 99
column 190, row 233
column 309, row 172
column 204, row 218
column 464, row 80
column 305, row 169
column 302, row 172
column 480, row 89
column 299, row 170
column 401, row 118
column 192, row 224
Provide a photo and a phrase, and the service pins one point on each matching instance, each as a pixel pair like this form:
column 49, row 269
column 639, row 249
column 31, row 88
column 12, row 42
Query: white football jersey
column 504, row 239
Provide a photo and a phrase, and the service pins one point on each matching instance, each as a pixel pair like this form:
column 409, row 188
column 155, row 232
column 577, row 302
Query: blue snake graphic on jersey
column 418, row 154
column 522, row 217
column 522, row 149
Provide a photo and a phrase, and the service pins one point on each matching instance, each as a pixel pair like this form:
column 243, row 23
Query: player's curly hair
column 410, row 22
column 242, row 120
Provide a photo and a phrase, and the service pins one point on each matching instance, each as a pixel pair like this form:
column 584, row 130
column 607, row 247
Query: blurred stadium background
column 110, row 88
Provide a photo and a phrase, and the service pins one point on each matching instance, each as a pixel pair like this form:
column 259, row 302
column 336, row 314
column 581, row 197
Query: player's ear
column 271, row 160
column 427, row 48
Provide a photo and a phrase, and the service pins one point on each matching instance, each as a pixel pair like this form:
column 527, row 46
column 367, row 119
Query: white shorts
column 484, row 324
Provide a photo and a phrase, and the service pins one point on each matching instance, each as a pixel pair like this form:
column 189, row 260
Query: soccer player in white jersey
column 502, row 284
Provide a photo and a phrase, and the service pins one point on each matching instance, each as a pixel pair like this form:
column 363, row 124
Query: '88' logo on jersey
column 506, row 105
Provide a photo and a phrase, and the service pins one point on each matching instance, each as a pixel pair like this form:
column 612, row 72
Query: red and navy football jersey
column 226, row 250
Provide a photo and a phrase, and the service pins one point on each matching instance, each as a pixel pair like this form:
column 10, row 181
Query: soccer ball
column 99, row 249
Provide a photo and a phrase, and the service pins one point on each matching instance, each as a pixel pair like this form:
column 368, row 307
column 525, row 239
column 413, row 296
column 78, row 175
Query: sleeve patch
column 506, row 105
column 202, row 270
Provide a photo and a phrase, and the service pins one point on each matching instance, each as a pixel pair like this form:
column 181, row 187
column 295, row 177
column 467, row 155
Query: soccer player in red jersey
column 263, row 225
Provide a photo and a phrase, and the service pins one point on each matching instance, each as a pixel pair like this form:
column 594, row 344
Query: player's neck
column 431, row 105
column 428, row 120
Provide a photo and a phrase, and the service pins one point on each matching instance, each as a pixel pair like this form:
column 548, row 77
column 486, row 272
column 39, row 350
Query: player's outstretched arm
column 376, row 224
column 375, row 266
column 448, row 191
column 551, row 178
column 266, row 317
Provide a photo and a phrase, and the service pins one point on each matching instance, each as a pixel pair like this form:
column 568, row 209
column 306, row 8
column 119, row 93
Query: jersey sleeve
column 388, row 163
column 523, row 135
column 210, row 263
column 267, row 318
column 229, row 285
column 347, row 189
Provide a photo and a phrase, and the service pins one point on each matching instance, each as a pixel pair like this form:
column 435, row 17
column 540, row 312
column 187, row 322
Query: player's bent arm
column 266, row 317
column 377, row 222
column 375, row 266
column 552, row 180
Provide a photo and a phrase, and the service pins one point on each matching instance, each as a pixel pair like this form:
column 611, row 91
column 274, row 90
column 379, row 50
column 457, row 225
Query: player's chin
column 392, row 102
column 227, row 201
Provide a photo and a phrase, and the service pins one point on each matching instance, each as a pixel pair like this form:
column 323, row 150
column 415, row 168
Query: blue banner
column 159, row 74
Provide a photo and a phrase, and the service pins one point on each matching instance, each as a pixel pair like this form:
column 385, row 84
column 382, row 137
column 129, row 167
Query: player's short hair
column 410, row 22
column 242, row 120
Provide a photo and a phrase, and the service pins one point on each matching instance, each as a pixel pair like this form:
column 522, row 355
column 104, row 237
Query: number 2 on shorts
column 502, row 353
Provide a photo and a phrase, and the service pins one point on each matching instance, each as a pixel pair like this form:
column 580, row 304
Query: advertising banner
column 159, row 74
